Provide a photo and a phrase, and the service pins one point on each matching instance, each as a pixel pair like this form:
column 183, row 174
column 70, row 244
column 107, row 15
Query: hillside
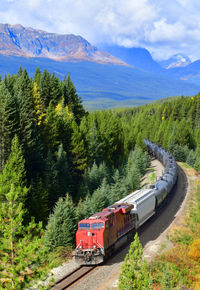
column 105, row 86
column 50, row 145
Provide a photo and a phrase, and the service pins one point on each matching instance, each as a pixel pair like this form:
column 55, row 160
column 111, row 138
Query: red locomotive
column 102, row 233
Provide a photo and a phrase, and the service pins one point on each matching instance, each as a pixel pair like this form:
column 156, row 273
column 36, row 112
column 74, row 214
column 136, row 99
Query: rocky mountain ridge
column 177, row 60
column 17, row 40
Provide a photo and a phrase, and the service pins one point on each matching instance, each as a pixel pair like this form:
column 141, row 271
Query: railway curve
column 105, row 277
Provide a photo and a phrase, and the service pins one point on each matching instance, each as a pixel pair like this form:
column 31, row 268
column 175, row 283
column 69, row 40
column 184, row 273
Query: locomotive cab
column 89, row 241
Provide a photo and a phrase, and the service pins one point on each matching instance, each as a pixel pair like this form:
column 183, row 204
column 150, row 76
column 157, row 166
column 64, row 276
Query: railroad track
column 73, row 277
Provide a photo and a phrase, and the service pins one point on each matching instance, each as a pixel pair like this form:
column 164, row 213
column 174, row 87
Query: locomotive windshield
column 97, row 226
column 84, row 226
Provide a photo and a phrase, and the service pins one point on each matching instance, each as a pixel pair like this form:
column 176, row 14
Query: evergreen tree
column 8, row 123
column 51, row 180
column 38, row 200
column 65, row 180
column 83, row 209
column 99, row 198
column 111, row 136
column 20, row 246
column 78, row 151
column 50, row 132
column 45, row 88
column 37, row 76
column 14, row 173
column 191, row 158
column 73, row 100
column 55, row 93
column 95, row 146
column 134, row 271
column 61, row 227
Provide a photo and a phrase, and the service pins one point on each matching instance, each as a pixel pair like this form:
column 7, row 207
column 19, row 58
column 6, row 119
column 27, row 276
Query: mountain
column 28, row 42
column 189, row 73
column 135, row 56
column 102, row 80
column 105, row 86
column 177, row 60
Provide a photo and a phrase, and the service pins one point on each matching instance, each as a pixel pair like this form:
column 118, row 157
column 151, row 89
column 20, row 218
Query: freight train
column 104, row 232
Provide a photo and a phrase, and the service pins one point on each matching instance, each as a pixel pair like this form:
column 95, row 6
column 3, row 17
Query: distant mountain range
column 115, row 78
column 137, row 57
column 177, row 66
column 177, row 60
column 17, row 40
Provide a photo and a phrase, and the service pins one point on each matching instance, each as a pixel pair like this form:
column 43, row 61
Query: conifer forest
column 60, row 163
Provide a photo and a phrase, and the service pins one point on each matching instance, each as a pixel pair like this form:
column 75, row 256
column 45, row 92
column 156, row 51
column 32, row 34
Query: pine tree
column 38, row 201
column 64, row 170
column 51, row 180
column 45, row 88
column 37, row 76
column 73, row 100
column 83, row 210
column 10, row 226
column 134, row 271
column 95, row 146
column 191, row 158
column 62, row 225
column 20, row 246
column 55, row 89
column 8, row 123
column 19, row 243
column 99, row 198
column 14, row 173
column 78, row 151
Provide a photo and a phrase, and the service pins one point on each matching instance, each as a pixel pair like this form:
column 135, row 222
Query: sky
column 164, row 27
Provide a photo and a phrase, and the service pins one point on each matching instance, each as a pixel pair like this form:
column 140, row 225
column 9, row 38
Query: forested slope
column 59, row 163
column 57, row 160
column 174, row 124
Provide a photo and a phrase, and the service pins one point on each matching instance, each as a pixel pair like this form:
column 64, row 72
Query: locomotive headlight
column 94, row 247
column 80, row 247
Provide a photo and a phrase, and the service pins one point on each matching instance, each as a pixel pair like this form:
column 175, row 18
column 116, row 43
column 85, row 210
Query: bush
column 179, row 152
column 191, row 158
column 194, row 250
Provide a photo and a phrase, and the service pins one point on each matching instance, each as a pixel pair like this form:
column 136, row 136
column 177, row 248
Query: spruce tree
column 19, row 243
column 45, row 88
column 65, row 180
column 99, row 198
column 51, row 180
column 95, row 146
column 61, row 227
column 73, row 100
column 38, row 201
column 55, row 89
column 14, row 173
column 134, row 271
column 8, row 123
column 79, row 154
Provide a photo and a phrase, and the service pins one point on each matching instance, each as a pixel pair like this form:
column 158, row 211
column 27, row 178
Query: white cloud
column 164, row 27
column 167, row 32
